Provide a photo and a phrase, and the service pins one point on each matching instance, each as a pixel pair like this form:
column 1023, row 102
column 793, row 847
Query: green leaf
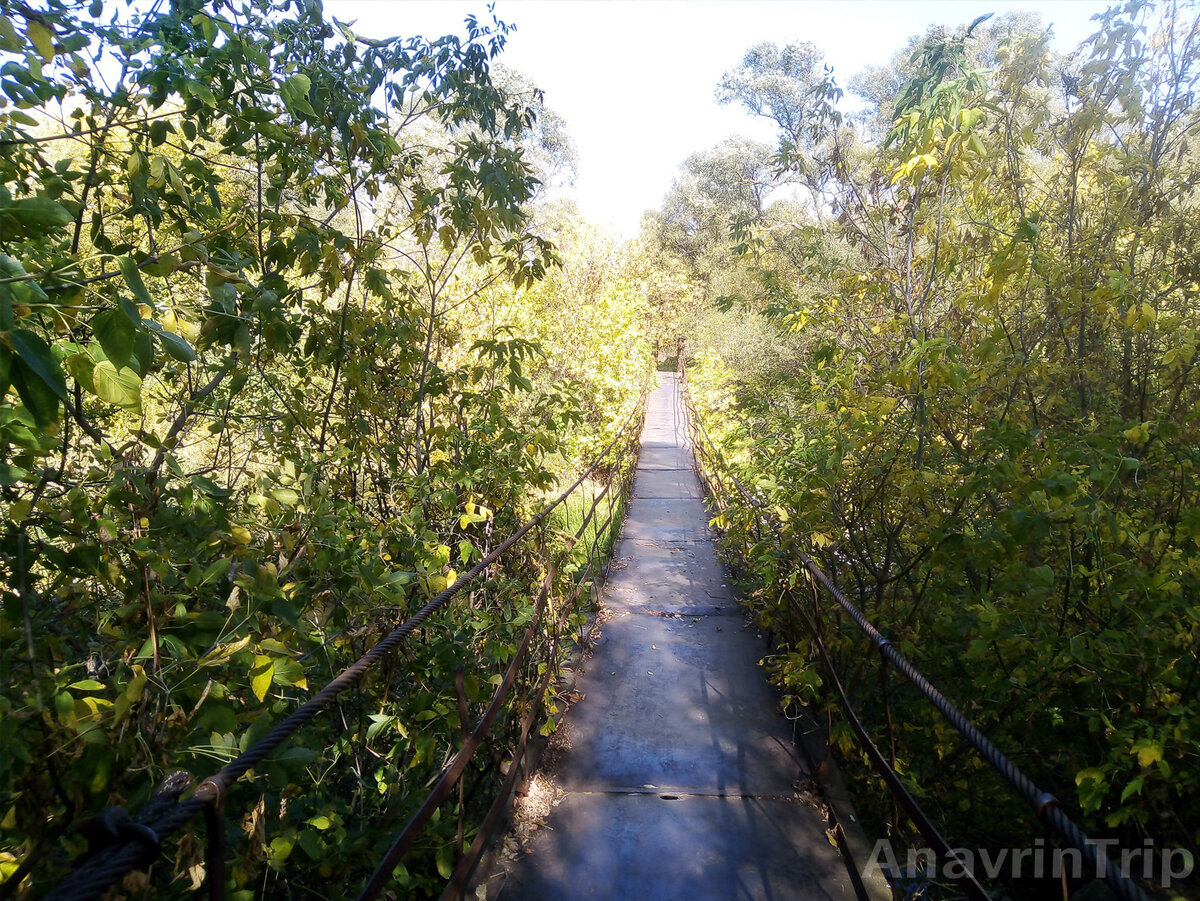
column 9, row 40
column 143, row 353
column 281, row 849
column 214, row 570
column 35, row 353
column 158, row 172
column 11, row 475
column 133, row 278
column 174, row 345
column 80, row 366
column 35, row 216
column 36, row 395
column 132, row 693
column 122, row 386
column 6, row 360
column 130, row 309
column 294, row 92
column 116, row 335
column 261, row 674
column 159, row 131
column 202, row 93
column 177, row 184
column 164, row 265
column 64, row 706
column 206, row 27
column 7, row 319
column 378, row 722
column 87, row 685
column 445, row 860
column 224, row 297
column 1133, row 788
column 296, row 755
column 1093, row 785
column 285, row 496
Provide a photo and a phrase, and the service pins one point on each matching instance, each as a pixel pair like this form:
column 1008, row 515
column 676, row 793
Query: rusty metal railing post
column 214, row 824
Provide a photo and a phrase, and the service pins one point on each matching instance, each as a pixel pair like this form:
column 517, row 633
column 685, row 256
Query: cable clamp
column 210, row 791
column 1045, row 800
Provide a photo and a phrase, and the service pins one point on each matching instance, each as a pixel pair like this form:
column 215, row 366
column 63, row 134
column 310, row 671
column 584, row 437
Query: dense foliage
column 972, row 392
column 246, row 426
column 289, row 335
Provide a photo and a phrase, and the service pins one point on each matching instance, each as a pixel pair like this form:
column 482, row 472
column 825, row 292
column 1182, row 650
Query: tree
column 242, row 437
column 728, row 182
column 793, row 88
column 880, row 86
column 989, row 435
column 777, row 83
column 549, row 148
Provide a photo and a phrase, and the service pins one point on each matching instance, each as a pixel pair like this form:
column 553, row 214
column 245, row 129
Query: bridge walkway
column 680, row 773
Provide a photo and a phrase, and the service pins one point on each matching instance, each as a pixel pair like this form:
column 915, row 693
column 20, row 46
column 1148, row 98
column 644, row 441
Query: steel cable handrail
column 1046, row 806
column 457, row 886
column 453, row 771
column 137, row 840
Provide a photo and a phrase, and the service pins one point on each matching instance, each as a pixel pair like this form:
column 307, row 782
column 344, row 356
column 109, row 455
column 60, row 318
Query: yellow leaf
column 1138, row 433
column 19, row 509
column 89, row 708
column 1147, row 750
column 240, row 534
column 223, row 652
column 41, row 37
column 132, row 693
column 158, row 172
column 261, row 674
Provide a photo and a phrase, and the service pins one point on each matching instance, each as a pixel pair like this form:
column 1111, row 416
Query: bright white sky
column 634, row 79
